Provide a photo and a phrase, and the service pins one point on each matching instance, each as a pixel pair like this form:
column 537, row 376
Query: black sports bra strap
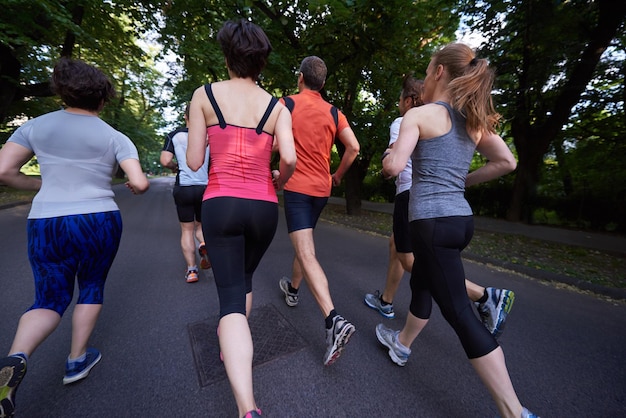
column 270, row 107
column 216, row 108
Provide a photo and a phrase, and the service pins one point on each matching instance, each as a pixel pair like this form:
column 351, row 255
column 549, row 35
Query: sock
column 77, row 359
column 382, row 302
column 20, row 354
column 292, row 289
column 329, row 319
column 484, row 298
column 192, row 268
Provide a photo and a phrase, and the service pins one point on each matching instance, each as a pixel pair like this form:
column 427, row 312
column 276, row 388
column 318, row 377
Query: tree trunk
column 354, row 180
column 9, row 80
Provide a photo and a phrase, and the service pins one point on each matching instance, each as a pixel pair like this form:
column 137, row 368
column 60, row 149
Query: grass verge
column 590, row 266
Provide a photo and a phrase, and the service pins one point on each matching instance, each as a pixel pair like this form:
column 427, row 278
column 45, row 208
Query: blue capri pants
column 72, row 248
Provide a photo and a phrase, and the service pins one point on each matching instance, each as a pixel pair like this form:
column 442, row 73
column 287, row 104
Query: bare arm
column 12, row 157
column 283, row 141
column 167, row 161
column 500, row 160
column 349, row 141
column 137, row 181
column 395, row 158
column 197, row 137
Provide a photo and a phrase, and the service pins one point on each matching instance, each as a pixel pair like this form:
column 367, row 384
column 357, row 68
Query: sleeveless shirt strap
column 270, row 107
column 216, row 108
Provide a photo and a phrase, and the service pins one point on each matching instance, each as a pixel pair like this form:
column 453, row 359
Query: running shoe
column 77, row 370
column 253, row 414
column 495, row 310
column 389, row 338
column 205, row 263
column 291, row 299
column 374, row 302
column 337, row 337
column 191, row 276
column 12, row 371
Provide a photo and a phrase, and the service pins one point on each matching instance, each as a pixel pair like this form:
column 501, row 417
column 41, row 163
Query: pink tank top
column 239, row 158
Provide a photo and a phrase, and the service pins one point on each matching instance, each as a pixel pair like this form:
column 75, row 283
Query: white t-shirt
column 403, row 180
column 77, row 155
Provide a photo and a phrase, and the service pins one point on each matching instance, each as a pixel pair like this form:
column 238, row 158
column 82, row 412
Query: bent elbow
column 512, row 164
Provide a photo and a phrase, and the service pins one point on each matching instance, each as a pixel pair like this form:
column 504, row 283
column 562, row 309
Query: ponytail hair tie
column 473, row 62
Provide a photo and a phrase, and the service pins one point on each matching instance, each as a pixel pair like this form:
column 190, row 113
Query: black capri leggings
column 438, row 274
column 237, row 233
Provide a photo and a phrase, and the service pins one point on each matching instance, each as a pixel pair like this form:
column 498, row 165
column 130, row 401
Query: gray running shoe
column 374, row 302
column 389, row 338
column 12, row 371
column 496, row 309
column 291, row 299
column 337, row 337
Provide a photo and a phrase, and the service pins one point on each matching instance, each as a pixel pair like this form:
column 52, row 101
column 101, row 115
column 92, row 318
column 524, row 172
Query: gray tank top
column 77, row 155
column 440, row 166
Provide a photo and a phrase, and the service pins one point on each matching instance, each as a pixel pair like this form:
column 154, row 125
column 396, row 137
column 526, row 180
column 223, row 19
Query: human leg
column 445, row 238
column 84, row 321
column 33, row 328
column 238, row 234
column 97, row 242
column 491, row 369
column 237, row 350
column 188, row 244
column 400, row 258
column 54, row 264
column 188, row 201
column 301, row 212
column 313, row 273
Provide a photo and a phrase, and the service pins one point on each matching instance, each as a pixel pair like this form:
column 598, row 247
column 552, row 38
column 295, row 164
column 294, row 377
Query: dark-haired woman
column 240, row 207
column 74, row 225
column 441, row 138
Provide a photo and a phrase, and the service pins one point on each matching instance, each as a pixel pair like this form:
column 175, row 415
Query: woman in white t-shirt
column 74, row 225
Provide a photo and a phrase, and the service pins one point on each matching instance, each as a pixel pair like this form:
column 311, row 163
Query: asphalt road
column 566, row 350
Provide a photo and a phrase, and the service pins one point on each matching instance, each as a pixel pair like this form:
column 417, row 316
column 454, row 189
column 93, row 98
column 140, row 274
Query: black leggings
column 237, row 233
column 438, row 274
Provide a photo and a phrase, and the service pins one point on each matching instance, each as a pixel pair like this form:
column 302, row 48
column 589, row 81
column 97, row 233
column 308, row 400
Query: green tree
column 36, row 33
column 546, row 54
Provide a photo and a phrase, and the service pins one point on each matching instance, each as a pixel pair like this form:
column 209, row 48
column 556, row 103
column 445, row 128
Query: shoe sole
column 400, row 362
column 340, row 343
column 83, row 374
column 12, row 371
column 376, row 308
column 286, row 292
column 505, row 303
column 205, row 263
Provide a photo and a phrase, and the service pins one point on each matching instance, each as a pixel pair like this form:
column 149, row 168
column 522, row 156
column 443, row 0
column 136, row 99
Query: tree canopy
column 560, row 78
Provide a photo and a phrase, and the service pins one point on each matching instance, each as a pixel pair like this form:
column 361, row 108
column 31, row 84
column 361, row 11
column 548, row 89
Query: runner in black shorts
column 188, row 192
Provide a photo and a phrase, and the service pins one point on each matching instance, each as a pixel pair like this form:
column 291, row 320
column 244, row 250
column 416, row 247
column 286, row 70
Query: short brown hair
column 313, row 71
column 245, row 47
column 81, row 85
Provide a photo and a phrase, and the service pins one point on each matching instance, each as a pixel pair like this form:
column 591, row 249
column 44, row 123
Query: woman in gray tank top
column 441, row 138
